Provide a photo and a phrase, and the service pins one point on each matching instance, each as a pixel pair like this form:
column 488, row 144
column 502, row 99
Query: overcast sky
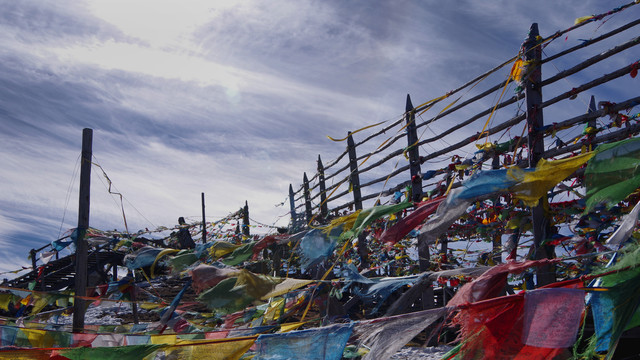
column 230, row 98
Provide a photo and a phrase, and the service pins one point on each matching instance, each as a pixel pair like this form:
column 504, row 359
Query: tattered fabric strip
column 367, row 216
column 625, row 230
column 223, row 349
column 324, row 343
column 492, row 283
column 492, row 329
column 385, row 336
column 613, row 173
column 315, row 246
column 286, row 286
column 532, row 186
column 132, row 352
column 552, row 317
column 399, row 230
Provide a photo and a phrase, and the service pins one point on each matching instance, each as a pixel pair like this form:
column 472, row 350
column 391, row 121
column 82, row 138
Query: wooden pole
column 592, row 122
column 414, row 152
column 354, row 178
column 245, row 219
column 424, row 263
column 533, row 95
column 83, row 225
column 204, row 223
column 33, row 259
column 324, row 207
column 292, row 204
column 497, row 238
column 307, row 198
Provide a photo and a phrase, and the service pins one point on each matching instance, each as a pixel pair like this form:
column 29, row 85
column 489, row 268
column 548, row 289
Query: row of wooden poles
column 535, row 141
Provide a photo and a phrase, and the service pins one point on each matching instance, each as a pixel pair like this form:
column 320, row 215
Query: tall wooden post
column 204, row 223
column 245, row 219
column 592, row 122
column 533, row 94
column 307, row 198
column 292, row 204
column 424, row 263
column 83, row 225
column 497, row 238
column 354, row 177
column 414, row 152
column 324, row 207
column 33, row 255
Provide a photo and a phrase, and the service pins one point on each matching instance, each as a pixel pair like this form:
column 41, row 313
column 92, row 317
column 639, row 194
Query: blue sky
column 230, row 98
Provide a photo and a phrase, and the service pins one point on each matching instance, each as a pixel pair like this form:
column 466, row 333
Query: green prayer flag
column 367, row 216
column 131, row 352
column 240, row 254
column 224, row 298
column 613, row 173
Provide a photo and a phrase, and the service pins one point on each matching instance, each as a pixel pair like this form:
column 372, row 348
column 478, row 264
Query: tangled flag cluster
column 274, row 313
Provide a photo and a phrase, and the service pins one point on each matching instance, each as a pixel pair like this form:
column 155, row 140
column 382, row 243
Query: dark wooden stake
column 424, row 263
column 354, row 178
column 497, row 238
column 414, row 152
column 33, row 259
column 535, row 123
column 83, row 225
column 292, row 204
column 245, row 219
column 324, row 207
column 592, row 122
column 307, row 198
column 204, row 223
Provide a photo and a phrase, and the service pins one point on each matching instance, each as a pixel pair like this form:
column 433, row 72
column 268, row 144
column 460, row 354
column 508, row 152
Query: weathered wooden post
column 354, row 177
column 533, row 94
column 83, row 225
column 497, row 238
column 204, row 223
column 591, row 124
column 324, row 207
column 414, row 152
column 354, row 180
column 33, row 255
column 307, row 198
column 245, row 219
column 292, row 204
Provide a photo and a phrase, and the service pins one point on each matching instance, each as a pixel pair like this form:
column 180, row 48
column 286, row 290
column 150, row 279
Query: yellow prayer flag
column 38, row 338
column 164, row 339
column 582, row 19
column 286, row 286
column 533, row 185
column 5, row 299
column 222, row 349
column 291, row 326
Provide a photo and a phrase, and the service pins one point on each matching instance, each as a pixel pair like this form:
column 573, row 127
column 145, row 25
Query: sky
column 230, row 98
